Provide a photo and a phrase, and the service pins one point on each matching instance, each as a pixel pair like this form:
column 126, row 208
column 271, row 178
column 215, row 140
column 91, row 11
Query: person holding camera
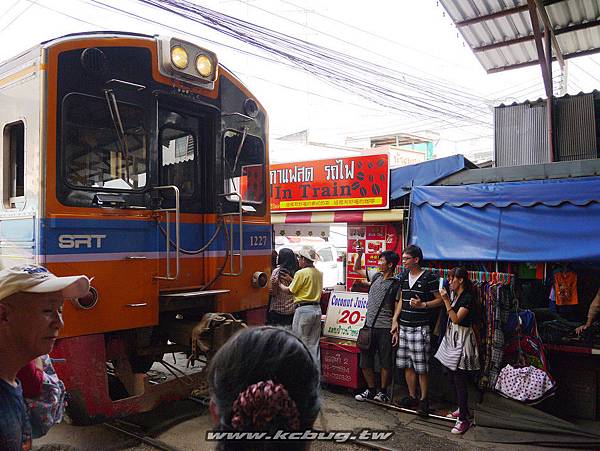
column 380, row 308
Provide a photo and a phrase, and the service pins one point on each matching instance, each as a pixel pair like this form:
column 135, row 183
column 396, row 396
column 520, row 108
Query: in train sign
column 356, row 183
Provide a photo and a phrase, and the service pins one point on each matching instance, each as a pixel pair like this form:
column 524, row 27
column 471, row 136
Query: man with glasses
column 419, row 299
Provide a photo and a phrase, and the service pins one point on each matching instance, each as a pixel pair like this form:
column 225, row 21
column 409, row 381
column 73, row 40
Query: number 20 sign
column 345, row 314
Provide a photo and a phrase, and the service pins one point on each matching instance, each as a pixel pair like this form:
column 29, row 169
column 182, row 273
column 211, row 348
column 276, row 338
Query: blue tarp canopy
column 402, row 179
column 542, row 220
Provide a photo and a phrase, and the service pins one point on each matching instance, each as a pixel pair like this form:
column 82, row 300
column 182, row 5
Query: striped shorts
column 414, row 346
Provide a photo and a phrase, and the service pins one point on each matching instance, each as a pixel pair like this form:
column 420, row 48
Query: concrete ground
column 340, row 412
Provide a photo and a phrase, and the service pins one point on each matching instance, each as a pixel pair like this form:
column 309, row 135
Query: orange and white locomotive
column 141, row 162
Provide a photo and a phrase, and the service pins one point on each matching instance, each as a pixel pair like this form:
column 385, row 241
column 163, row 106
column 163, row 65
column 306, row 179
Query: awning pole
column 406, row 230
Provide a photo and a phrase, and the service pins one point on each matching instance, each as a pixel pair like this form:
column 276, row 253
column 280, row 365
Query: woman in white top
column 458, row 351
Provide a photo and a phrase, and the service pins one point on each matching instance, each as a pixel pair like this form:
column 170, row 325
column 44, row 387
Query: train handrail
column 167, row 211
column 232, row 252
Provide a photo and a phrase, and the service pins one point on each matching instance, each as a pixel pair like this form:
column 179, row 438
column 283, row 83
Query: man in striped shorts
column 411, row 326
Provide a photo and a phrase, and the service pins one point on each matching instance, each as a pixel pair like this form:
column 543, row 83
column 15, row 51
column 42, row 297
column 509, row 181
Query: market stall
column 309, row 199
column 547, row 233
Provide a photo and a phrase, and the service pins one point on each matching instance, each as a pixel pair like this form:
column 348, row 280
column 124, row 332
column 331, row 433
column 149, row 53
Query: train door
column 186, row 162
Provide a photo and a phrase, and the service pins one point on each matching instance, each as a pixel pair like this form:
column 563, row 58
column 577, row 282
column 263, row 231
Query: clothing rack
column 476, row 276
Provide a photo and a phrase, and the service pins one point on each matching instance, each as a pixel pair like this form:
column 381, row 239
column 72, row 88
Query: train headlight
column 179, row 57
column 186, row 62
column 204, row 65
column 259, row 279
column 89, row 301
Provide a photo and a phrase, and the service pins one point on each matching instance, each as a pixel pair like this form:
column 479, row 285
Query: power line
column 17, row 17
column 33, row 2
column 368, row 80
column 452, row 123
column 597, row 80
column 370, row 51
column 370, row 33
column 10, row 7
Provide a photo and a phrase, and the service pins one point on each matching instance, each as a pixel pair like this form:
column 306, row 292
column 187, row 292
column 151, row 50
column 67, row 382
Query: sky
column 416, row 38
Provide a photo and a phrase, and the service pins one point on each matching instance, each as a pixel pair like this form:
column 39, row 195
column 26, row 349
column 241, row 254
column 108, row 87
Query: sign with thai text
column 356, row 183
column 346, row 314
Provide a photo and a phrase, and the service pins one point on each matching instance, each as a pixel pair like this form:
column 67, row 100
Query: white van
column 331, row 264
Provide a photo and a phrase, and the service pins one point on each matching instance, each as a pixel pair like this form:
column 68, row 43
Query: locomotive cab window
column 244, row 159
column 14, row 164
column 102, row 149
column 179, row 147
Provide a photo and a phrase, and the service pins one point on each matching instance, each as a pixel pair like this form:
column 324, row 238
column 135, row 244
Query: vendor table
column 576, row 370
column 571, row 349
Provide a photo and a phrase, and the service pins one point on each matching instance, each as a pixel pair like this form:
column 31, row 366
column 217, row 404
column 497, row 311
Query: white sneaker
column 382, row 397
column 367, row 394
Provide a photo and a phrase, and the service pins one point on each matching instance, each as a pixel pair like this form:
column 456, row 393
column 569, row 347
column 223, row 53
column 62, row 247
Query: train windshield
column 97, row 152
column 244, row 157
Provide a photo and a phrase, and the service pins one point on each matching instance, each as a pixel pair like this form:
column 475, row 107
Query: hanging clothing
column 565, row 288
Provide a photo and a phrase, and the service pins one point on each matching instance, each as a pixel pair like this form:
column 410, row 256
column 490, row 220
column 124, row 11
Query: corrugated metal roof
column 595, row 93
column 500, row 33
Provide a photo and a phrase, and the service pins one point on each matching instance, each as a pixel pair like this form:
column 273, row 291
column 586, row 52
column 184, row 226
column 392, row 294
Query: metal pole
column 550, row 101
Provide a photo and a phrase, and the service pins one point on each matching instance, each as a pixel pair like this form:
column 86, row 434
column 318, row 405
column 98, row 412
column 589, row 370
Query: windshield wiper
column 111, row 100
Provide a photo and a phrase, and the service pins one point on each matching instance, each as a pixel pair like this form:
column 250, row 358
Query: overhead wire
column 312, row 58
column 143, row 18
column 414, row 104
column 455, row 87
column 18, row 16
column 596, row 79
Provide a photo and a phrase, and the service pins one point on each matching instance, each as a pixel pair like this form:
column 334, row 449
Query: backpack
column 48, row 408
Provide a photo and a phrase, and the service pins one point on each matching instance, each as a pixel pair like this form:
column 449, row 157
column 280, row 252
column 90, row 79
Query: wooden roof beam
column 502, row 13
column 537, row 32
column 566, row 56
column 531, row 37
column 548, row 26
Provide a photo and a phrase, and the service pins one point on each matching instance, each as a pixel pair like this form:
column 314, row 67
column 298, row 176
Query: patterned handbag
column 527, row 384
column 48, row 408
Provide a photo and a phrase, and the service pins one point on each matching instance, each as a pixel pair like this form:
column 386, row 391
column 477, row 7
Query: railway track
column 163, row 446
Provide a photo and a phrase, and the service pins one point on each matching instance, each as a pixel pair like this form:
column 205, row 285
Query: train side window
column 244, row 158
column 14, row 164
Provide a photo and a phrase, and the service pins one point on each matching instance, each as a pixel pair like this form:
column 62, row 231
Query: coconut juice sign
column 346, row 314
column 356, row 183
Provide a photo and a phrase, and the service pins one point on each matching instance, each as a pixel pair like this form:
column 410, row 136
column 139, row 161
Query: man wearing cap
column 31, row 300
column 306, row 286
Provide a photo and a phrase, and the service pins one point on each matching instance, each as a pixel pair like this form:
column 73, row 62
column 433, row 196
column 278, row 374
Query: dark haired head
column 414, row 251
column 462, row 273
column 390, row 257
column 287, row 259
column 264, row 379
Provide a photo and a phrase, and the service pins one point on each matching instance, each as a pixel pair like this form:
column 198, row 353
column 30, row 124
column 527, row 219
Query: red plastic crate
column 339, row 363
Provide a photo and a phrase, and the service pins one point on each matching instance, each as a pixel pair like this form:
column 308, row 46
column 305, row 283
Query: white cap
column 309, row 253
column 37, row 279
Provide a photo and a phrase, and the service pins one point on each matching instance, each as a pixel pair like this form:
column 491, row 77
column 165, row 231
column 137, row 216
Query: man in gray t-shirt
column 380, row 309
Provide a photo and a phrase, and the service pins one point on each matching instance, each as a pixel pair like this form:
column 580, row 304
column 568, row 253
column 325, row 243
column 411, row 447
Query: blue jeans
column 307, row 327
